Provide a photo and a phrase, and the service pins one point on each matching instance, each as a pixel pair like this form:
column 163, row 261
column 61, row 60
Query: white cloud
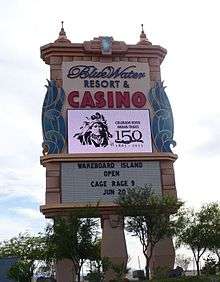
column 11, row 227
column 24, row 182
column 28, row 213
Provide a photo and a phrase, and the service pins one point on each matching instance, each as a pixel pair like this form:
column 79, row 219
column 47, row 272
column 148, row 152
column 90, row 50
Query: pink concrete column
column 53, row 183
column 65, row 271
column 163, row 255
column 113, row 242
column 154, row 64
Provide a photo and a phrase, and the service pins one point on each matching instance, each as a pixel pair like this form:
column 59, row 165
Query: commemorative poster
column 104, row 131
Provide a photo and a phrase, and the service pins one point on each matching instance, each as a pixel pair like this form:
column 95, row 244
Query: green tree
column 95, row 260
column 71, row 237
column 198, row 230
column 98, row 270
column 28, row 249
column 120, row 271
column 22, row 271
column 210, row 213
column 210, row 266
column 148, row 218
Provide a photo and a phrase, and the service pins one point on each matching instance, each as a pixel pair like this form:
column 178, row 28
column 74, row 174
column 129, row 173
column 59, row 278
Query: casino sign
column 107, row 124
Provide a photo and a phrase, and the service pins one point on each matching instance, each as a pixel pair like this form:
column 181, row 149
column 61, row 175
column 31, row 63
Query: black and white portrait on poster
column 94, row 131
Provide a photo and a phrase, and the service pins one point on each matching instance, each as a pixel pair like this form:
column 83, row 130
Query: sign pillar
column 163, row 255
column 113, row 242
column 65, row 271
column 107, row 127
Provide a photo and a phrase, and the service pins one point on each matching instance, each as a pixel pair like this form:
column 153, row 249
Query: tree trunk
column 147, row 268
column 197, row 268
column 147, row 272
column 148, row 257
column 78, row 276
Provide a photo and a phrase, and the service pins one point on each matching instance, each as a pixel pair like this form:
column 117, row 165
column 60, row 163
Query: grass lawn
column 190, row 279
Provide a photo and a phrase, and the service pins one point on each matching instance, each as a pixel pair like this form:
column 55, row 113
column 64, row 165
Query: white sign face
column 104, row 131
column 92, row 182
column 112, row 85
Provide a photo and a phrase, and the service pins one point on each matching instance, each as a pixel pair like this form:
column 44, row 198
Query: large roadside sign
column 107, row 111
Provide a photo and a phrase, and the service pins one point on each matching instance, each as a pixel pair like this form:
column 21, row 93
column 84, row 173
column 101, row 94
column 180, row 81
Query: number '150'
column 128, row 136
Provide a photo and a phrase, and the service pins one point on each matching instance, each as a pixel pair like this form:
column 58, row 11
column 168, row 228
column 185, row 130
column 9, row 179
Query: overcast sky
column 188, row 29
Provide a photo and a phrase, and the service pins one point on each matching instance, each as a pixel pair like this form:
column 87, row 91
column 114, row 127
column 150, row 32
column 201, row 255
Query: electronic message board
column 104, row 131
column 91, row 182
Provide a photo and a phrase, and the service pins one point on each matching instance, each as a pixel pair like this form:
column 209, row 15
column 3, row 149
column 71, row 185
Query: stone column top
column 64, row 48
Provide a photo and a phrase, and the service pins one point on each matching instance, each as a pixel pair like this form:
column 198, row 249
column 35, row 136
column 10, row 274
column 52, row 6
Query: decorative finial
column 62, row 31
column 143, row 37
column 62, row 35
